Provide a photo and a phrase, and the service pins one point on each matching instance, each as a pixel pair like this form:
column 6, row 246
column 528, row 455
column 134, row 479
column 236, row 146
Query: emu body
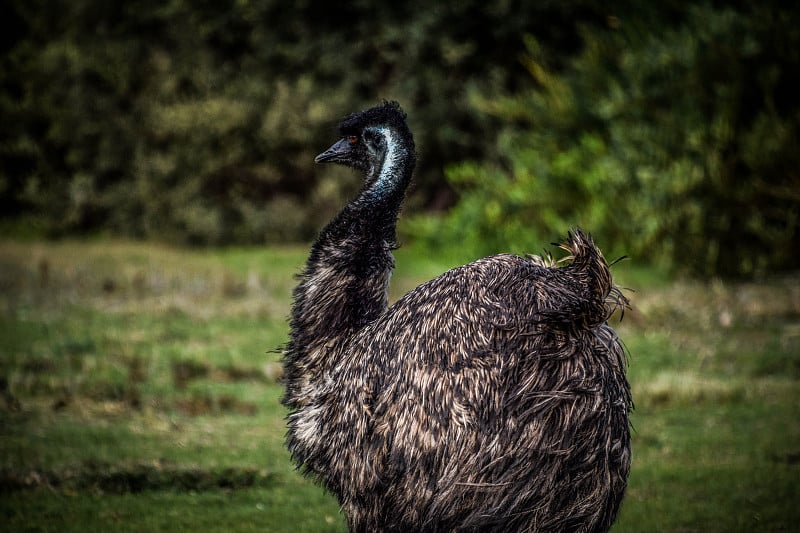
column 490, row 398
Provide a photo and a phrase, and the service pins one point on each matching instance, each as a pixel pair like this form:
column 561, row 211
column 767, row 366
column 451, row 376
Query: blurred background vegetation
column 135, row 391
column 667, row 129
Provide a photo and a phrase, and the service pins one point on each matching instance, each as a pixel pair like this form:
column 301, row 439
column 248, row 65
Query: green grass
column 139, row 392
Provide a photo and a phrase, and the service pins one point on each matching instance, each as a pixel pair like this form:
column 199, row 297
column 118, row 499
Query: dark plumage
column 491, row 398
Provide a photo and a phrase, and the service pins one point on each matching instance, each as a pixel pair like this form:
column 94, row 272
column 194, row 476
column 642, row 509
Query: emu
column 491, row 398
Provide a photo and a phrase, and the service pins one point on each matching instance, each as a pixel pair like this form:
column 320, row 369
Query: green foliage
column 675, row 144
column 668, row 130
column 198, row 122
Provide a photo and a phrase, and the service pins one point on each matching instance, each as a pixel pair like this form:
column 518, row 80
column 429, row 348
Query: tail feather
column 588, row 263
column 597, row 298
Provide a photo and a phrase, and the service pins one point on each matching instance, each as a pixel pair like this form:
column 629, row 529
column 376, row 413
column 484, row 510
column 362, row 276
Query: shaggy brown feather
column 490, row 398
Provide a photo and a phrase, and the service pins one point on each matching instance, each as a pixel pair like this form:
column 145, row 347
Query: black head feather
column 388, row 114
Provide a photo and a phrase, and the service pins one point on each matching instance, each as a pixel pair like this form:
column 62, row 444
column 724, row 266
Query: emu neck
column 345, row 282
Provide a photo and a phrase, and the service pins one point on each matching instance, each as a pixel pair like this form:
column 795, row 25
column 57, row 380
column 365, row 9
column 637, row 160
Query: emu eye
column 352, row 139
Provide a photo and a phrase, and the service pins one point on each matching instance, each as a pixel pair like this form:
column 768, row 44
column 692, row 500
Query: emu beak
column 338, row 153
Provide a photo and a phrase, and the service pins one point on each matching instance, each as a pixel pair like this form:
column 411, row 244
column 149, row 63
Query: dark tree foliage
column 668, row 129
column 677, row 143
column 197, row 121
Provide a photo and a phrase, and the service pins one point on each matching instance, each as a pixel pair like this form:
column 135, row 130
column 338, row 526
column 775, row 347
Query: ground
column 140, row 391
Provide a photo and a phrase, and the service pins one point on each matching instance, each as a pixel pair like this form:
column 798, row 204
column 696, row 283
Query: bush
column 198, row 122
column 677, row 146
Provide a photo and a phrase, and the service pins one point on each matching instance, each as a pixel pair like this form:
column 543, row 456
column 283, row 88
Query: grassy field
column 140, row 392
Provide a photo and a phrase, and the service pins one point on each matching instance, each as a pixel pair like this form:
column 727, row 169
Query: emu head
column 371, row 140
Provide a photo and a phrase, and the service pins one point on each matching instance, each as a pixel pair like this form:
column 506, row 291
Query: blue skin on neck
column 390, row 177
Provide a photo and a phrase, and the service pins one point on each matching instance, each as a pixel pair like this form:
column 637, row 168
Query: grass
column 139, row 391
